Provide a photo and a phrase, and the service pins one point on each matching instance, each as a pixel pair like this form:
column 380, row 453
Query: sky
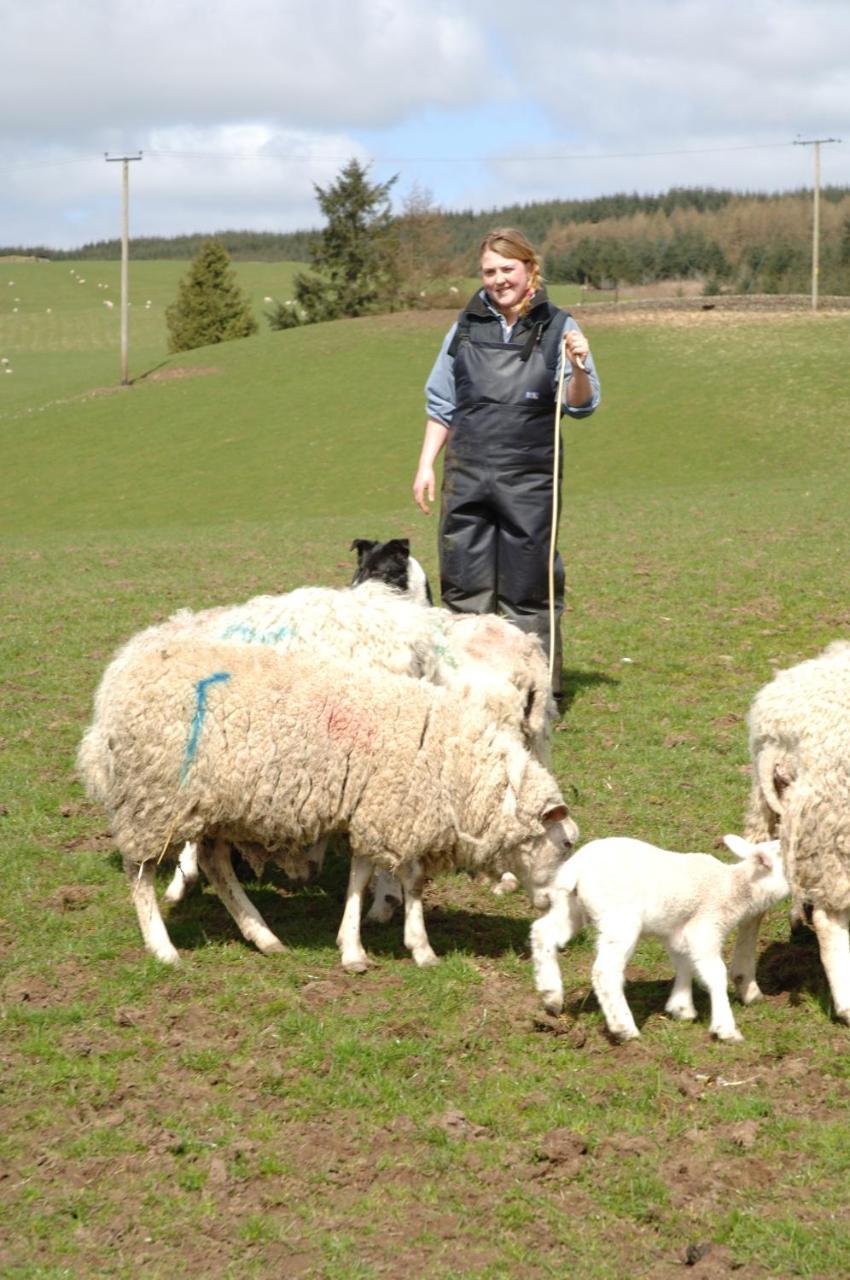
column 239, row 109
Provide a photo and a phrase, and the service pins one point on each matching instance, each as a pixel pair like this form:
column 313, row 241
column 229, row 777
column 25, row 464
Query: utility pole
column 125, row 223
column 816, row 143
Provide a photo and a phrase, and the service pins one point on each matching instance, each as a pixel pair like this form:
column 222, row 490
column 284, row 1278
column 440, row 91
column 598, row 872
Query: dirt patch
column 179, row 371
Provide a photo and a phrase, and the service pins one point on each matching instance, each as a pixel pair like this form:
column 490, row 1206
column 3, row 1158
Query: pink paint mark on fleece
column 348, row 726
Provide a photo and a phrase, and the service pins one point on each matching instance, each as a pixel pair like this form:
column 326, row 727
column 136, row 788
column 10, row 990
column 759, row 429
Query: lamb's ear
column 739, row 846
column 556, row 814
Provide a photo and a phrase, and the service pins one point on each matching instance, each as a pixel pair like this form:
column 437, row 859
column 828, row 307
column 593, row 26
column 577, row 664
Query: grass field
column 251, row 1116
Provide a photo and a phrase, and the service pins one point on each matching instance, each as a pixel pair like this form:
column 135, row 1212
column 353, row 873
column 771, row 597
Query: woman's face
column 506, row 281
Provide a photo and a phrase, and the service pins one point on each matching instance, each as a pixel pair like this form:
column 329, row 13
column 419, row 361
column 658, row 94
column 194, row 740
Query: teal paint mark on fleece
column 198, row 718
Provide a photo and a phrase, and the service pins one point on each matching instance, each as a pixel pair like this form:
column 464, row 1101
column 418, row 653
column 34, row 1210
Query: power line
column 531, row 157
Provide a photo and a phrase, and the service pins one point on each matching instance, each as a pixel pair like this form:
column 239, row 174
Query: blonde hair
column 511, row 243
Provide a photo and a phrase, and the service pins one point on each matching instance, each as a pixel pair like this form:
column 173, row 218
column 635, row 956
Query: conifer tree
column 355, row 257
column 210, row 305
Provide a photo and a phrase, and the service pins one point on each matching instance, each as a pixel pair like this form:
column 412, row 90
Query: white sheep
column 626, row 888
column 799, row 733
column 219, row 744
column 373, row 626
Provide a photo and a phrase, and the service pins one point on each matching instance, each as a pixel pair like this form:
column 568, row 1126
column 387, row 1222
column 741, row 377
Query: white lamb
column 799, row 728
column 224, row 744
column 626, row 888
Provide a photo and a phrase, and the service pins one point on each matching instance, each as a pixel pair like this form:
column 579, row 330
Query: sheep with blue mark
column 374, row 626
column 217, row 743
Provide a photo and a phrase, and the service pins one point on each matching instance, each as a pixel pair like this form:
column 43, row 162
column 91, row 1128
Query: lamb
column 626, row 888
column 221, row 743
column 799, row 735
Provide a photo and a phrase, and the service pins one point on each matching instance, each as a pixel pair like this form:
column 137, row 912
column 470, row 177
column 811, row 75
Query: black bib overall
column 496, row 511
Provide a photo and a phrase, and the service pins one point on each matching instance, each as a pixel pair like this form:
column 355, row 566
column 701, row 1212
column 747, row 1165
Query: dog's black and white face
column 392, row 563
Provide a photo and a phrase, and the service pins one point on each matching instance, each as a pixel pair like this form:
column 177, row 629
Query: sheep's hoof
column 681, row 1014
column 355, row 966
column 553, row 1005
column 728, row 1037
column 628, row 1034
column 507, row 884
column 426, row 959
column 748, row 989
column 274, row 948
column 383, row 912
column 843, row 1015
column 171, row 957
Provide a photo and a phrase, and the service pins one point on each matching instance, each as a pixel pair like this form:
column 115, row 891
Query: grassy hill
column 259, row 1116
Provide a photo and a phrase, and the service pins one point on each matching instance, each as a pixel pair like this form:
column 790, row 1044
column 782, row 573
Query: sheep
column 799, row 738
column 371, row 625
column 626, row 888
column 219, row 744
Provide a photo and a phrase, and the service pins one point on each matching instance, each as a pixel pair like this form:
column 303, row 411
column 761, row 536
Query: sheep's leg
column 154, row 932
column 316, row 857
column 185, row 875
column 217, row 866
column 680, row 1003
column 834, row 944
column 415, row 937
column 608, row 976
column 387, row 894
column 549, row 934
column 744, row 960
column 354, row 958
column 711, row 972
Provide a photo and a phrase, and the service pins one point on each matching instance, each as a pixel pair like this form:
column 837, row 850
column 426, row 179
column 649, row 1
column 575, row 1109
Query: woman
column 491, row 400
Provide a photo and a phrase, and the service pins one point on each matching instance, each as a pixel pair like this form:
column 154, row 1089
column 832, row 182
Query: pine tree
column 210, row 305
column 354, row 259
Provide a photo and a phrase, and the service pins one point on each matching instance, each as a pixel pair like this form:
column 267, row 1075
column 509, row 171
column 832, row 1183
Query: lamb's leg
column 711, row 971
column 415, row 937
column 680, row 1003
column 608, row 974
column 744, row 960
column 387, row 894
column 185, row 875
column 154, row 932
column 549, row 934
column 217, row 866
column 834, row 943
column 354, row 958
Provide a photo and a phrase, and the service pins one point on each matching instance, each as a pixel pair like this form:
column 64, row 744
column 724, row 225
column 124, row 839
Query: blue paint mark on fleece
column 250, row 635
column 198, row 718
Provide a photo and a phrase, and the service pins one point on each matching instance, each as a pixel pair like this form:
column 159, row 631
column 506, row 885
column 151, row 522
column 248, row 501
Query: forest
column 730, row 241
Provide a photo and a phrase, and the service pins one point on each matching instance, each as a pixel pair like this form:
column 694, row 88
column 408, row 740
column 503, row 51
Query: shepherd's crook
column 559, row 401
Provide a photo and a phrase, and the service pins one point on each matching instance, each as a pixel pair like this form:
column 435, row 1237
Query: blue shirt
column 440, row 399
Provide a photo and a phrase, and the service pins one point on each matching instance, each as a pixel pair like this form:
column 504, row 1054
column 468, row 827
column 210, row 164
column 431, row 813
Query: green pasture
column 251, row 1116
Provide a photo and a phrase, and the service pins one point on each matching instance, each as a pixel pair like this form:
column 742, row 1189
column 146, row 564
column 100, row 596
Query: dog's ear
column 362, row 546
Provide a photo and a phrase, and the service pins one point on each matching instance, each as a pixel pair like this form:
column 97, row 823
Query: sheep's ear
column 556, row 814
column 739, row 846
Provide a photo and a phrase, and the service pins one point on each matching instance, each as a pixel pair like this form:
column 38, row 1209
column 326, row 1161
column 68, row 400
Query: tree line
column 733, row 242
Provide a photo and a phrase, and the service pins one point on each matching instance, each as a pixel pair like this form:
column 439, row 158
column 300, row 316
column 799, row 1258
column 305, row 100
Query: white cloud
column 240, row 108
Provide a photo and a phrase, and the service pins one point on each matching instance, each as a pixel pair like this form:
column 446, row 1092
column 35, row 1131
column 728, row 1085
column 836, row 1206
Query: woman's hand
column 423, row 487
column 576, row 348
